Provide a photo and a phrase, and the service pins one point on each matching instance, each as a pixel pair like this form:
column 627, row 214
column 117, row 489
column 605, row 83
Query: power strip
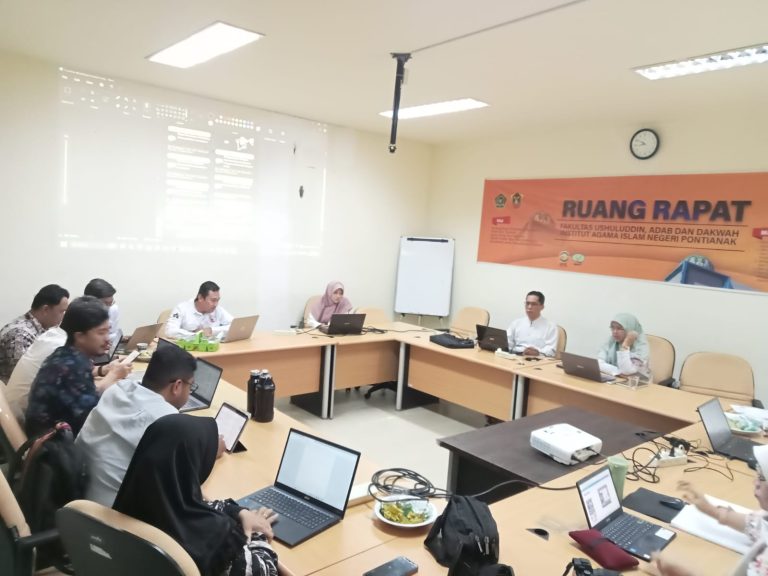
column 664, row 459
column 508, row 355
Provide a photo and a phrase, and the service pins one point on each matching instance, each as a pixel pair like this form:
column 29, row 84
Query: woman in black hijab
column 162, row 488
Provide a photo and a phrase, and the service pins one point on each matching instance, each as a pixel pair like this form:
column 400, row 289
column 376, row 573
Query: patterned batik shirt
column 15, row 338
column 63, row 390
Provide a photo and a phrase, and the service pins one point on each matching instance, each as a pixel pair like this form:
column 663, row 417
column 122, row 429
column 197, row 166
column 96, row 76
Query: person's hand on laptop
column 260, row 521
column 530, row 351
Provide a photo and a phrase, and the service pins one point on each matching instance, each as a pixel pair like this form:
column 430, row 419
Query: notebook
column 311, row 490
column 492, row 339
column 207, row 378
column 144, row 334
column 584, row 367
column 107, row 358
column 344, row 324
column 603, row 510
column 241, row 329
column 720, row 436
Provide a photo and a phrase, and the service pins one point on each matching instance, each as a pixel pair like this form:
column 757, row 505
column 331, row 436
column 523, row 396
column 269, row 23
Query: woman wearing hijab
column 332, row 302
column 162, row 488
column 753, row 524
column 626, row 351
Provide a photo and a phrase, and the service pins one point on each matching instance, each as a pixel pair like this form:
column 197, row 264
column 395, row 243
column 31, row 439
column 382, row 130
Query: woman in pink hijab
column 332, row 302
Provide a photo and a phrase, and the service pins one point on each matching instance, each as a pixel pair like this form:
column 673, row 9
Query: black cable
column 403, row 482
column 568, row 568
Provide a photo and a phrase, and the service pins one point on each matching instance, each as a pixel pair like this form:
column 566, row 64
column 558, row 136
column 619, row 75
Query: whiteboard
column 424, row 276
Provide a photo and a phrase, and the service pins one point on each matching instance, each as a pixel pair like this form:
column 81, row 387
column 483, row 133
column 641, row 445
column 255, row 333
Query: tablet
column 231, row 423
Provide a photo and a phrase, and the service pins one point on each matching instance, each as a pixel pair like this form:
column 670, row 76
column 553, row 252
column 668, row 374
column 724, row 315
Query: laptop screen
column 598, row 495
column 317, row 468
column 715, row 423
column 207, row 379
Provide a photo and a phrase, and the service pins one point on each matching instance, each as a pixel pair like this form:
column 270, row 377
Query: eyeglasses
column 192, row 385
column 760, row 475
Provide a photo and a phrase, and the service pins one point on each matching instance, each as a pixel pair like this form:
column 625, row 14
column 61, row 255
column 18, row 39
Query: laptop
column 343, row 324
column 311, row 490
column 241, row 329
column 603, row 510
column 107, row 358
column 492, row 339
column 143, row 334
column 584, row 367
column 720, row 436
column 207, row 378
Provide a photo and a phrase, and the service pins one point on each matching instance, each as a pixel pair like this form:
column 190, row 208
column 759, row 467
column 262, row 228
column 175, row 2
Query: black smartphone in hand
column 400, row 566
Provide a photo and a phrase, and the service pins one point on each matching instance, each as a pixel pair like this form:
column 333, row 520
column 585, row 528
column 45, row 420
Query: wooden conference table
column 310, row 366
column 360, row 542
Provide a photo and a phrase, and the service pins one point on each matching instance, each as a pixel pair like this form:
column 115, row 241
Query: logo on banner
column 500, row 201
column 517, row 199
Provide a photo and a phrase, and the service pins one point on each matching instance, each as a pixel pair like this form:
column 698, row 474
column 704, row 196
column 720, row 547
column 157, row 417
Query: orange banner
column 705, row 229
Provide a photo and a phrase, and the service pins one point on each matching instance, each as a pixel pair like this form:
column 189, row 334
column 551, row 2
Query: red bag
column 602, row 550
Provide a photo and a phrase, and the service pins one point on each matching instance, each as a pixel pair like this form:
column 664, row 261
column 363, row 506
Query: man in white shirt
column 203, row 314
column 104, row 291
column 532, row 334
column 17, row 390
column 125, row 410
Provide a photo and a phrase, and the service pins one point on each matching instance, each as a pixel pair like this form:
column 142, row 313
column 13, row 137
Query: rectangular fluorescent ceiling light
column 709, row 63
column 214, row 40
column 437, row 108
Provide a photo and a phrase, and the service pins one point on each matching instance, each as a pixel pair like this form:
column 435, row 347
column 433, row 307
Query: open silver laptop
column 311, row 491
column 584, row 367
column 603, row 510
column 143, row 334
column 207, row 378
column 241, row 329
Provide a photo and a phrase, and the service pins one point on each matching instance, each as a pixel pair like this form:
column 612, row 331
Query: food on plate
column 404, row 512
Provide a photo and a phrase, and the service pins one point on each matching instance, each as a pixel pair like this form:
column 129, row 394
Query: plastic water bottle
column 264, row 400
column 250, row 391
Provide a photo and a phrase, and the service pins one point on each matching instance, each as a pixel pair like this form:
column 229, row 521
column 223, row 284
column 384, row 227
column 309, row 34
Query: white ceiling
column 329, row 60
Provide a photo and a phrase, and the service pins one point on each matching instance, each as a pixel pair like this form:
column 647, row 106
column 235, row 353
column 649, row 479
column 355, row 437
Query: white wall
column 694, row 319
column 371, row 198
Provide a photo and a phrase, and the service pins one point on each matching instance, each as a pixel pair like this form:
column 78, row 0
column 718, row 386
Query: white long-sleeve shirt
column 185, row 321
column 540, row 334
column 114, row 320
column 627, row 363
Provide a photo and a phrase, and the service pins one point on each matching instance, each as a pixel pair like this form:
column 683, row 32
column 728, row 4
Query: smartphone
column 400, row 566
column 130, row 358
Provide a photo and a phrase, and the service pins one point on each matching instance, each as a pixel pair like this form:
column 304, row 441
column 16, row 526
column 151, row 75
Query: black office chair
column 382, row 386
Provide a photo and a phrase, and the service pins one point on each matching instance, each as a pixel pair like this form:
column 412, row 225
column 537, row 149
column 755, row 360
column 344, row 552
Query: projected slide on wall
column 151, row 170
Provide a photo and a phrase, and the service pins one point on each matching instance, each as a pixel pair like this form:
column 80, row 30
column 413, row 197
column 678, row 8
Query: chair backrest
column 466, row 320
column 662, row 358
column 101, row 541
column 13, row 526
column 308, row 307
column 374, row 316
column 717, row 374
column 562, row 340
column 11, row 429
column 164, row 315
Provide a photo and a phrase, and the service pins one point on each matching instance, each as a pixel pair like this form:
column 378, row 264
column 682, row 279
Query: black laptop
column 343, row 324
column 720, row 436
column 603, row 510
column 207, row 378
column 312, row 487
column 492, row 339
column 584, row 367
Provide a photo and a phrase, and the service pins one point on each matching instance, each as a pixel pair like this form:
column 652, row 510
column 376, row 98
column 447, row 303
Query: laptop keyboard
column 626, row 530
column 292, row 508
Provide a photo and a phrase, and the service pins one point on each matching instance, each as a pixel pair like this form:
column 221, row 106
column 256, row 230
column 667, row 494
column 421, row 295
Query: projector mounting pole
column 402, row 58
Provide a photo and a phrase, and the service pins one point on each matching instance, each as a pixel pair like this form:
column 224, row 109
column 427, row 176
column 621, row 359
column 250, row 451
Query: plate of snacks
column 741, row 424
column 404, row 513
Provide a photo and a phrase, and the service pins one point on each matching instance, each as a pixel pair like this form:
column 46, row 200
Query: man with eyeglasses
column 114, row 427
column 532, row 334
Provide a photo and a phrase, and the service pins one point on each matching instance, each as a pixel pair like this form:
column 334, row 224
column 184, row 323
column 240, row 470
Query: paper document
column 699, row 524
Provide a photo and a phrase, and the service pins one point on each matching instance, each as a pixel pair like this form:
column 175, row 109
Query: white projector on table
column 565, row 443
